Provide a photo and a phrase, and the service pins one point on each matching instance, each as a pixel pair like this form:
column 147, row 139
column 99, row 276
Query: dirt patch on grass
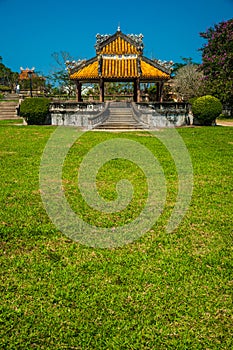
column 225, row 122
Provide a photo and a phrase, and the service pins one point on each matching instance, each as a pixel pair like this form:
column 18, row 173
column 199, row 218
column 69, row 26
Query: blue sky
column 33, row 30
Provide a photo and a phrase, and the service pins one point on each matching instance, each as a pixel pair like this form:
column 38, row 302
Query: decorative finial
column 119, row 28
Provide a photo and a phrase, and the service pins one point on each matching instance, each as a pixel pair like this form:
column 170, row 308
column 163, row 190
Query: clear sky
column 32, row 30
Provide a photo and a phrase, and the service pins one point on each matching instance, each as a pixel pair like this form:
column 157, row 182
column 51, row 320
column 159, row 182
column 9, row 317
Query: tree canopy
column 188, row 82
column 217, row 60
column 7, row 77
column 59, row 75
column 177, row 65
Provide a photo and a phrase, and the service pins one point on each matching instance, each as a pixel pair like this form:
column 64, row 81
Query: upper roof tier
column 118, row 56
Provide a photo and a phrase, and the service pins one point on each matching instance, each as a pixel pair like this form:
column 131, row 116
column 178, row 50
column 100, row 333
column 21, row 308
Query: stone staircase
column 8, row 109
column 120, row 118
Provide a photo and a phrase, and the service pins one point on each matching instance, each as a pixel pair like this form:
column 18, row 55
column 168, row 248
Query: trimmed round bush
column 206, row 109
column 35, row 110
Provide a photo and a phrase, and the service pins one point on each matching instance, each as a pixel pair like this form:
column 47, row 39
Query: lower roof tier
column 119, row 68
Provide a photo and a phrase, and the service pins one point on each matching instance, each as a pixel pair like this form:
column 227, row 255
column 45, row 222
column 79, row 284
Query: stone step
column 119, row 124
column 7, row 104
column 119, row 127
column 120, row 117
column 8, row 110
column 11, row 96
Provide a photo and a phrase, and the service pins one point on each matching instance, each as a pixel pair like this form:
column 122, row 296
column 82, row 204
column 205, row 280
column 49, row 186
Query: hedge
column 35, row 110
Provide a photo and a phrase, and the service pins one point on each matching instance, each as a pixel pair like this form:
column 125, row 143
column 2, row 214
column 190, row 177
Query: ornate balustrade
column 163, row 114
column 100, row 117
column 81, row 114
column 88, row 115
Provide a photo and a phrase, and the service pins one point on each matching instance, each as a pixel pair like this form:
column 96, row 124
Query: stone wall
column 87, row 115
column 75, row 114
column 163, row 114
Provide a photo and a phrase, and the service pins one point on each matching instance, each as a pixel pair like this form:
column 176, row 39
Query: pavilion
column 119, row 58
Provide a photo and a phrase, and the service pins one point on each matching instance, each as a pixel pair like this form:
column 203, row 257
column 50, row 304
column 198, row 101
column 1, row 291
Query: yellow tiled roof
column 119, row 46
column 119, row 57
column 149, row 71
column 119, row 68
column 90, row 71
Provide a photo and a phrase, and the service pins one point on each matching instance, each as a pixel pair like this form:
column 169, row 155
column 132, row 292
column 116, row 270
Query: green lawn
column 163, row 291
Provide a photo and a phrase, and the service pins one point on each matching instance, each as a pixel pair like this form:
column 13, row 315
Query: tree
column 152, row 90
column 38, row 83
column 60, row 75
column 176, row 66
column 217, row 60
column 188, row 82
column 7, row 77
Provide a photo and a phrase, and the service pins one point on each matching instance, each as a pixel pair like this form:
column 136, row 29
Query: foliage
column 59, row 75
column 177, row 65
column 1, row 96
column 4, row 88
column 206, row 109
column 164, row 291
column 192, row 99
column 38, row 83
column 7, row 77
column 35, row 110
column 225, row 116
column 188, row 82
column 217, row 57
column 118, row 88
column 152, row 90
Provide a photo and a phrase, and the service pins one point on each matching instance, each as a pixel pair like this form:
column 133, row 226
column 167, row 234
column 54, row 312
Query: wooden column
column 159, row 92
column 78, row 91
column 101, row 90
column 136, row 90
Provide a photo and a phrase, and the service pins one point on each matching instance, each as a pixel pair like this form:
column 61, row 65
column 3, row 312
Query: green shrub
column 5, row 88
column 35, row 110
column 224, row 116
column 191, row 100
column 206, row 109
column 1, row 96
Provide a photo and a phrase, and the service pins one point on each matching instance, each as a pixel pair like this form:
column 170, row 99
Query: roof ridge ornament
column 135, row 38
column 166, row 64
column 70, row 65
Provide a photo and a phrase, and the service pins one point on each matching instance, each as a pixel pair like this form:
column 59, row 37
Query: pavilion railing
column 100, row 117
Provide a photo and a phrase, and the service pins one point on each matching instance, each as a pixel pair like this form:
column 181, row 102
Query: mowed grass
column 163, row 291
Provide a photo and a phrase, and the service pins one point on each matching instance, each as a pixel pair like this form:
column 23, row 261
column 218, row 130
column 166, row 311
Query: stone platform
column 120, row 115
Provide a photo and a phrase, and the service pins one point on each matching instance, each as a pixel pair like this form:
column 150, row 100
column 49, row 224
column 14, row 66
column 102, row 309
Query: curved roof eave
column 156, row 65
